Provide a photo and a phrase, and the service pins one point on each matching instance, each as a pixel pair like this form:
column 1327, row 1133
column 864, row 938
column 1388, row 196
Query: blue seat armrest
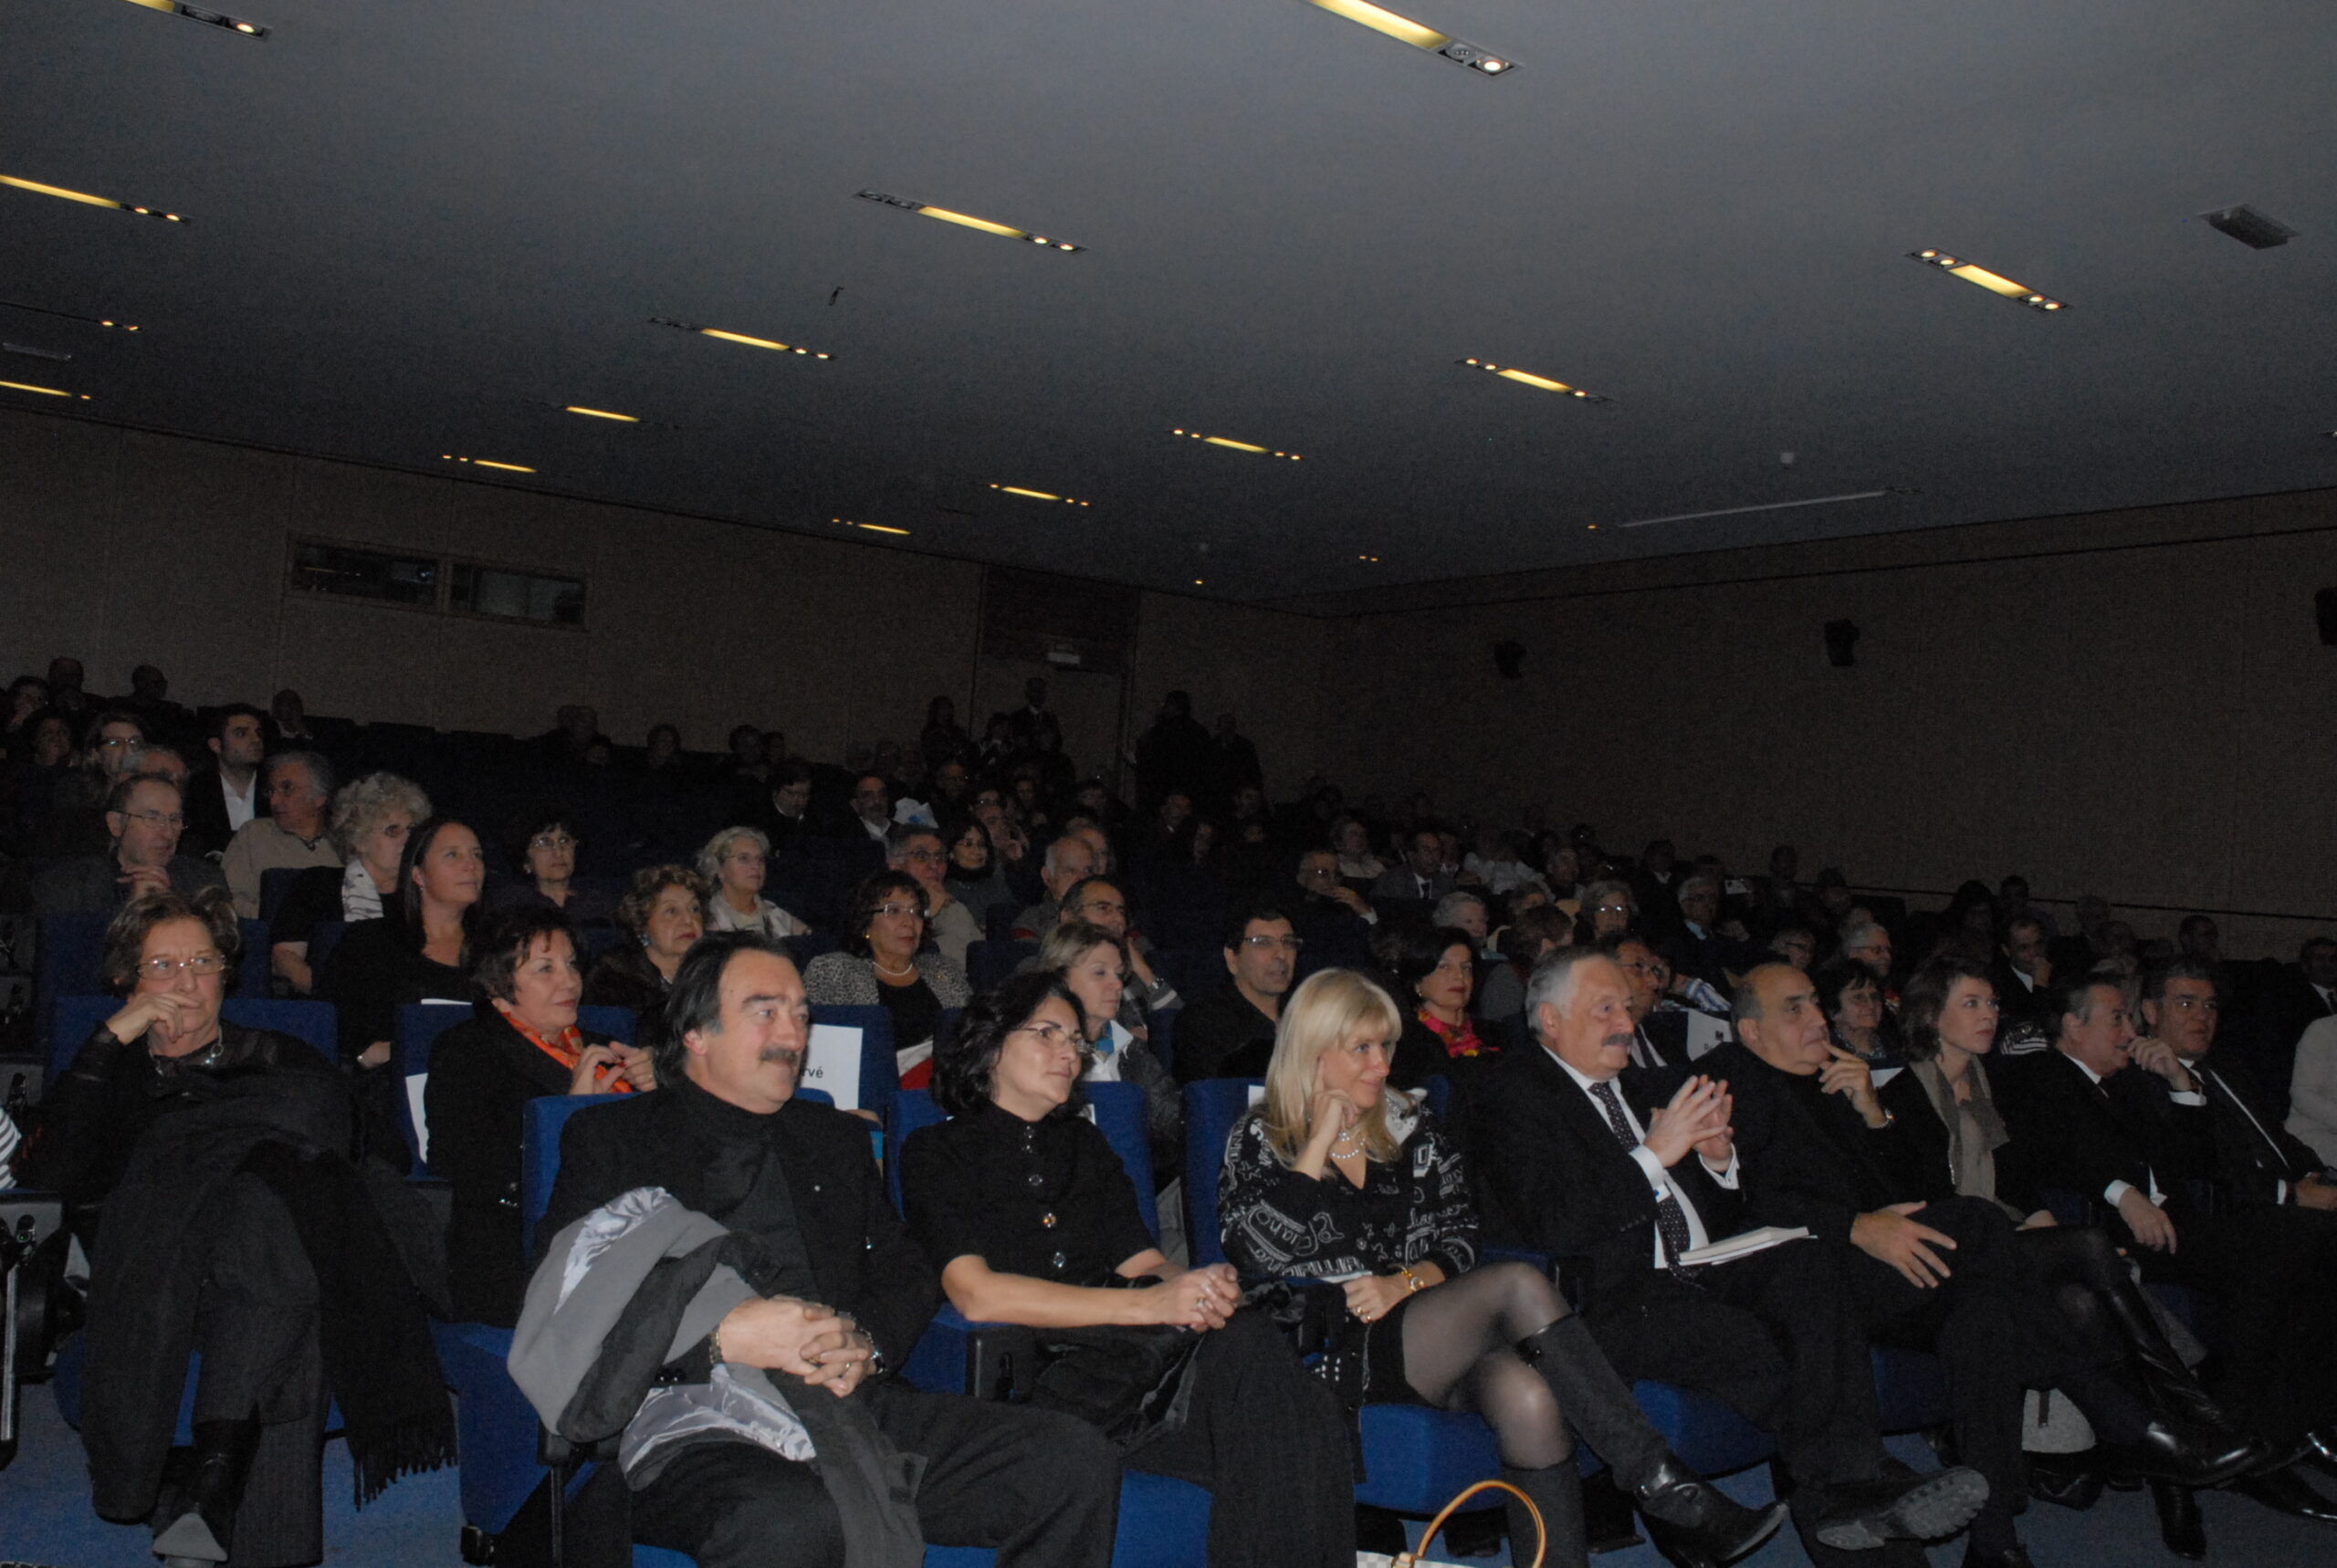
column 989, row 1360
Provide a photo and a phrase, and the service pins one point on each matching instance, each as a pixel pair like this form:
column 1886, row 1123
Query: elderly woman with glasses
column 370, row 819
column 209, row 1170
column 545, row 843
column 884, row 967
column 735, row 864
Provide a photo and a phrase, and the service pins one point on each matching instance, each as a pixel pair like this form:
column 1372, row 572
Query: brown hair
column 632, row 910
column 214, row 908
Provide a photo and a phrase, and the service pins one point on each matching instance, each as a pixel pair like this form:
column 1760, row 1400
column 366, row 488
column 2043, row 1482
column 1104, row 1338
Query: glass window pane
column 518, row 595
column 365, row 574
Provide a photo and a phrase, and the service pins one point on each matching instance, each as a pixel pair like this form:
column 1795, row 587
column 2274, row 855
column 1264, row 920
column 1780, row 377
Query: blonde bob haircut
column 1331, row 1009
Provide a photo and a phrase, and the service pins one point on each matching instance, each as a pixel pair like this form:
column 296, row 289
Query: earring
column 645, row 939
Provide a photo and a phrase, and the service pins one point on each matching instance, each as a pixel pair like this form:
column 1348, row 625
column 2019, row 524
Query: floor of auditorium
column 45, row 1520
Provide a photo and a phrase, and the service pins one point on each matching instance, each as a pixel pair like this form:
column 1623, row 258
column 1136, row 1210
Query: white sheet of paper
column 832, row 1064
column 415, row 1082
column 1705, row 1031
column 1744, row 1244
column 1257, row 1092
column 1882, row 1075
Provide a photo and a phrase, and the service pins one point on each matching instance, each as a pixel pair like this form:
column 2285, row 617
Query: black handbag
column 1130, row 1381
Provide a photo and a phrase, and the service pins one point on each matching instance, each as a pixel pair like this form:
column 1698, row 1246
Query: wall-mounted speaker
column 1509, row 658
column 2324, row 610
column 1841, row 643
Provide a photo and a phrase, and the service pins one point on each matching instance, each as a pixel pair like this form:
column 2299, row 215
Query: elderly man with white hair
column 1070, row 859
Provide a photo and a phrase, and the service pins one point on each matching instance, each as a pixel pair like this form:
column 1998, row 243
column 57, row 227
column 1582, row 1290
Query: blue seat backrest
column 1163, row 1042
column 314, row 1022
column 880, row 1076
column 416, row 1036
column 811, row 944
column 252, row 963
column 1211, row 1108
column 323, row 940
column 545, row 1118
column 1194, row 971
column 66, row 963
column 1121, row 1116
column 998, row 921
column 274, row 886
column 618, row 1023
column 988, row 963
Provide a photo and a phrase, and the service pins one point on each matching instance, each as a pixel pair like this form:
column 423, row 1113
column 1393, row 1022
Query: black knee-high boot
column 1557, row 1491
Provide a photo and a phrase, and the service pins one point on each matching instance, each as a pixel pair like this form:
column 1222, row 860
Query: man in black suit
column 226, row 795
column 2023, row 974
column 1701, row 947
column 1336, row 921
column 1585, row 1156
column 2126, row 1122
column 1659, row 1037
column 1421, row 878
column 1821, row 1152
column 1230, row 1032
column 2256, row 1162
column 725, row 1134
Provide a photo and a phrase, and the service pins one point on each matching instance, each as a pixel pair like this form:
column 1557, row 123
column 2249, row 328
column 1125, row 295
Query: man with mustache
column 727, row 1138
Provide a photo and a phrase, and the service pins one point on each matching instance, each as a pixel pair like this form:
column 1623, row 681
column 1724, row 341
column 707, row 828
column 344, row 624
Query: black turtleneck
column 1047, row 1198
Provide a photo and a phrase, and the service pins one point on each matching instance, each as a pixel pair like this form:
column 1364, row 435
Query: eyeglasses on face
column 922, row 857
column 1052, row 1036
column 158, row 819
column 1262, row 943
column 551, row 841
column 200, row 965
column 897, row 910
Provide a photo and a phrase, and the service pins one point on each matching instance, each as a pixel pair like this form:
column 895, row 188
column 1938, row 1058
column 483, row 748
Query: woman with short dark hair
column 1030, row 1217
column 664, row 913
column 524, row 1042
column 884, row 967
column 1435, row 972
column 546, row 842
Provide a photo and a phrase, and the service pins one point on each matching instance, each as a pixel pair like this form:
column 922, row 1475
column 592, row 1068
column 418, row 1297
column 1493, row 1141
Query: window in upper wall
column 516, row 595
column 444, row 584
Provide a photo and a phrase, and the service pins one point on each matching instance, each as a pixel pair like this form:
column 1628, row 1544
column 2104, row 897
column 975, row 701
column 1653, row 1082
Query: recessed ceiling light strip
column 1994, row 283
column 45, row 391
column 1404, row 30
column 770, row 343
column 871, row 527
column 85, row 199
column 66, row 315
column 599, row 414
column 1765, row 506
column 1039, row 495
column 487, row 463
column 966, row 221
column 1527, row 378
column 211, row 18
column 1232, row 445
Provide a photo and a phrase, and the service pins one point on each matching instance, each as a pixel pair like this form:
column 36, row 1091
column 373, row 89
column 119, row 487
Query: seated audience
column 546, row 842
column 38, row 762
column 371, row 818
column 289, row 717
column 1465, row 912
column 883, row 967
column 1820, row 1152
column 1028, row 1213
column 1434, row 970
column 976, row 875
column 1099, row 902
column 291, row 836
column 734, row 863
column 1070, row 859
column 2313, row 1091
column 1421, row 878
column 208, row 1170
column 663, row 912
column 1335, row 1178
column 828, row 1296
column 2022, row 976
column 1230, row 1032
column 225, row 795
column 1093, row 964
column 917, row 850
column 1585, row 1156
column 524, row 1043
column 1864, row 941
column 1851, row 999
column 143, row 823
column 1534, row 929
column 74, row 823
column 1659, row 1027
column 1609, row 908
column 1352, row 840
column 1335, row 920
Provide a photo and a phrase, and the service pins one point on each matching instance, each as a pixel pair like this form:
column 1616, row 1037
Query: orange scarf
column 568, row 1049
column 1460, row 1039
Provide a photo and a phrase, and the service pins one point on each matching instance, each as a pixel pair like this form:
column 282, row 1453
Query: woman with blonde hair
column 1333, row 1177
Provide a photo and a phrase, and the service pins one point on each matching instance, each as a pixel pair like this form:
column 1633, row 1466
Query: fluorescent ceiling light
column 1994, row 283
column 1038, row 495
column 1232, row 445
column 1527, row 378
column 871, row 527
column 1765, row 506
column 66, row 315
column 197, row 14
column 1404, row 30
column 599, row 414
column 966, row 221
column 45, row 391
column 771, row 343
column 39, row 189
column 485, row 463
column 1369, row 558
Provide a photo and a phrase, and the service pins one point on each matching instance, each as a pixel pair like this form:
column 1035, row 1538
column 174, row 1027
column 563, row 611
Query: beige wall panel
column 58, row 502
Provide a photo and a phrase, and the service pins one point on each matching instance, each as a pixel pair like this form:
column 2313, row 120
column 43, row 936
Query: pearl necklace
column 908, row 968
column 1350, row 1142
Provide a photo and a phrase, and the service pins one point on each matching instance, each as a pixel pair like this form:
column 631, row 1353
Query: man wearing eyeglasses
column 143, row 818
column 1230, row 1033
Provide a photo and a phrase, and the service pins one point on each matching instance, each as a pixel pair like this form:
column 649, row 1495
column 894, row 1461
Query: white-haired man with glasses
column 144, row 816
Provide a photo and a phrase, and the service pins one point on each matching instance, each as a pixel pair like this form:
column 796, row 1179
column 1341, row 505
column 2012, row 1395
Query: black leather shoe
column 2287, row 1491
column 2066, row 1480
column 1861, row 1515
column 202, row 1524
column 1697, row 1525
column 2013, row 1556
column 2179, row 1524
column 2189, row 1458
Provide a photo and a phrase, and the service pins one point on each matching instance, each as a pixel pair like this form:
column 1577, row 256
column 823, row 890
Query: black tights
column 1459, row 1353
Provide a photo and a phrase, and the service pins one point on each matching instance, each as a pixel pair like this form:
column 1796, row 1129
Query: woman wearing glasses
column 917, row 849
column 883, row 968
column 207, row 1168
column 1031, row 1219
column 735, row 864
column 546, row 843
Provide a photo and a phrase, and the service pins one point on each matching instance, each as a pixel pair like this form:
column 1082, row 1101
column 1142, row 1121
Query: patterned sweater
column 1416, row 1208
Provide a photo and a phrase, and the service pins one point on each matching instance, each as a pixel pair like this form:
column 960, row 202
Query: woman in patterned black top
column 1335, row 1177
column 1031, row 1219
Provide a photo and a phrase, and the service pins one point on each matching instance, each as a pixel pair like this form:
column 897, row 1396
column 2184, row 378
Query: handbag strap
column 1541, row 1536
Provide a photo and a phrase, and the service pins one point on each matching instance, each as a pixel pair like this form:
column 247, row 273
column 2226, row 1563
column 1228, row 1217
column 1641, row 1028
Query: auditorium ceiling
column 420, row 231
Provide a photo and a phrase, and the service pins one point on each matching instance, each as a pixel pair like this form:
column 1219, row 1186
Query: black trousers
column 1775, row 1336
column 1043, row 1488
column 2273, row 1273
column 1268, row 1439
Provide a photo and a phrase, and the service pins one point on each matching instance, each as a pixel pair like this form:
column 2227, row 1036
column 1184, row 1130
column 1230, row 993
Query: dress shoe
column 2013, row 1556
column 1861, row 1515
column 2179, row 1524
column 2165, row 1452
column 2066, row 1481
column 2287, row 1491
column 1694, row 1523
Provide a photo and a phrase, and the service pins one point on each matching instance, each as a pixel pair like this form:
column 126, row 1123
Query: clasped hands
column 1697, row 1118
column 803, row 1339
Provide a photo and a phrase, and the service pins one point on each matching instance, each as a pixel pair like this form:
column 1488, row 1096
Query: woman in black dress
column 1031, row 1219
column 523, row 1044
column 665, row 915
column 1333, row 1177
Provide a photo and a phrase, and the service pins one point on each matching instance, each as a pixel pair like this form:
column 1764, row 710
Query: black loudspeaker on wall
column 1841, row 643
column 1509, row 658
column 2324, row 610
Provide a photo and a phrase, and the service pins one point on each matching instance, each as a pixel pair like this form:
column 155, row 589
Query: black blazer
column 207, row 831
column 2247, row 1165
column 1929, row 1166
column 860, row 1254
column 2073, row 1135
column 482, row 1075
column 1810, row 1158
column 1552, row 1175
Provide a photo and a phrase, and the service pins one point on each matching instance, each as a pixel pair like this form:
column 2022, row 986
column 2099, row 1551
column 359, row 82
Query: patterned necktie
column 1670, row 1224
